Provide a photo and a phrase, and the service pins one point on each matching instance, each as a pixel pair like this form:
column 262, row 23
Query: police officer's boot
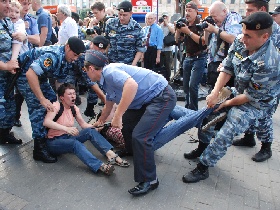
column 41, row 153
column 6, row 137
column 89, row 112
column 19, row 100
column 264, row 154
column 247, row 141
column 196, row 152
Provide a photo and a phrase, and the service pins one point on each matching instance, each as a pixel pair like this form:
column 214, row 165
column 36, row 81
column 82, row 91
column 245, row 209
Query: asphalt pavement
column 235, row 183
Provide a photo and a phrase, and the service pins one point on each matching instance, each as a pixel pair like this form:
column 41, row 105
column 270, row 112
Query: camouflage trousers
column 36, row 111
column 239, row 119
column 7, row 106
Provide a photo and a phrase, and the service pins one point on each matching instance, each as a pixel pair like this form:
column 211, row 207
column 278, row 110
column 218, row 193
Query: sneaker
column 224, row 94
column 214, row 121
column 195, row 175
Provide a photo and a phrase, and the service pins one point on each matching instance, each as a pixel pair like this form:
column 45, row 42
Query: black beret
column 96, row 58
column 76, row 45
column 257, row 21
column 252, row 1
column 125, row 6
column 100, row 41
column 275, row 11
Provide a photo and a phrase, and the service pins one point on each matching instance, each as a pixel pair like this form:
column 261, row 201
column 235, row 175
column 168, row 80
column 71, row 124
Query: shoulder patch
column 48, row 62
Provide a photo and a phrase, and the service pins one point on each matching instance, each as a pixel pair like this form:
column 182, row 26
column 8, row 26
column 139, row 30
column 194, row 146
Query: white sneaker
column 224, row 94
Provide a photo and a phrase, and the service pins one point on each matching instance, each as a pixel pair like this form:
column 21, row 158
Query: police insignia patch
column 256, row 86
column 47, row 62
column 100, row 45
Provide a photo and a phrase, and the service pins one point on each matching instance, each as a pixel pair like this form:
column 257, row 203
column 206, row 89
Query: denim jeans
column 74, row 144
column 193, row 69
column 184, row 119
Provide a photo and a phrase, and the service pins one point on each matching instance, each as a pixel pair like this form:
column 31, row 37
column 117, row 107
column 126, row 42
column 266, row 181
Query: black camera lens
column 201, row 26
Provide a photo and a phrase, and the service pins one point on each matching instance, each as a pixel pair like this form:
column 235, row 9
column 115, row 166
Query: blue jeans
column 193, row 69
column 74, row 144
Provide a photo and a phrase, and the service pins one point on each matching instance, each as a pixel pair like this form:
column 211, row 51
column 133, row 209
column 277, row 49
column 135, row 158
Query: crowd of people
column 44, row 60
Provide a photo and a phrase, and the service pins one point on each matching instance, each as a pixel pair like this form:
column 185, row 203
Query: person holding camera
column 69, row 27
column 195, row 61
column 166, row 52
column 219, row 35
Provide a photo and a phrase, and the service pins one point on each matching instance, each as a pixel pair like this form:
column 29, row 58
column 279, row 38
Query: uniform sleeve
column 140, row 40
column 45, row 63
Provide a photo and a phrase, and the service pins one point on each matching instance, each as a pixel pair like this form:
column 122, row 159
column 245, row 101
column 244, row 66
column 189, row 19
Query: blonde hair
column 15, row 3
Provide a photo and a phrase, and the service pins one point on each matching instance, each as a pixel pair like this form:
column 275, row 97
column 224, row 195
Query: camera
column 93, row 30
column 90, row 14
column 204, row 24
column 181, row 23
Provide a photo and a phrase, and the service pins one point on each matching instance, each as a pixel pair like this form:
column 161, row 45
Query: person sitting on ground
column 63, row 137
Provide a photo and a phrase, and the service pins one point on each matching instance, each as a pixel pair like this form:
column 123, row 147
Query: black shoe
column 10, row 139
column 143, row 188
column 196, row 175
column 41, row 153
column 247, row 141
column 264, row 154
column 123, row 153
column 196, row 152
column 18, row 123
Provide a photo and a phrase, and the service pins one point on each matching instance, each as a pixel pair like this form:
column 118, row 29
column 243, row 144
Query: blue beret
column 96, row 58
column 257, row 21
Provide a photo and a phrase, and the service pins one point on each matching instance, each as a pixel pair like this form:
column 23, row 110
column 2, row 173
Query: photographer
column 194, row 63
column 219, row 37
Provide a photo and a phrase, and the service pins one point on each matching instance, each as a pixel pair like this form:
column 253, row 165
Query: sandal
column 113, row 161
column 107, row 169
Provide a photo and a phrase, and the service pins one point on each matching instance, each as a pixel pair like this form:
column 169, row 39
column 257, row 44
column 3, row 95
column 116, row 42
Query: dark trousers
column 166, row 60
column 150, row 57
column 151, row 122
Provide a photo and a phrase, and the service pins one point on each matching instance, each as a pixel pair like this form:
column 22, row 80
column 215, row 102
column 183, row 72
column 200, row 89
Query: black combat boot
column 247, row 141
column 199, row 173
column 41, row 153
column 6, row 137
column 19, row 100
column 89, row 112
column 264, row 154
column 196, row 152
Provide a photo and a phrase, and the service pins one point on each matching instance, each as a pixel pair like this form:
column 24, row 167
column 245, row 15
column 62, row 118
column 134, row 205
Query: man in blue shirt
column 133, row 88
column 44, row 23
column 154, row 41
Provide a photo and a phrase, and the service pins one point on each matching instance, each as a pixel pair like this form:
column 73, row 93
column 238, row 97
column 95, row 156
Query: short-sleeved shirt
column 67, row 29
column 44, row 20
column 48, row 61
column 33, row 26
column 156, row 35
column 125, row 40
column 150, row 84
column 231, row 26
column 67, row 119
column 257, row 75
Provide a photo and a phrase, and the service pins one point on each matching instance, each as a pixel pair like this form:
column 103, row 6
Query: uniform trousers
column 36, row 111
column 239, row 119
column 151, row 122
column 7, row 106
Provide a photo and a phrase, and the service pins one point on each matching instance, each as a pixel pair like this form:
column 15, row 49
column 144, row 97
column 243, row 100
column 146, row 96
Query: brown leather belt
column 195, row 54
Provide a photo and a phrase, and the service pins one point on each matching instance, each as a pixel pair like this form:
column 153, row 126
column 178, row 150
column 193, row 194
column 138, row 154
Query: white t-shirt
column 67, row 29
column 19, row 26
